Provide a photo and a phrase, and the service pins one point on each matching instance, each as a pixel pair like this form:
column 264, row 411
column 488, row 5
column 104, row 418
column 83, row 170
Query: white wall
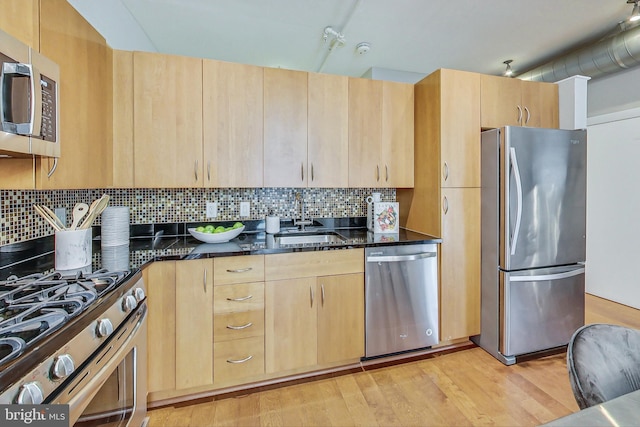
column 616, row 92
column 613, row 206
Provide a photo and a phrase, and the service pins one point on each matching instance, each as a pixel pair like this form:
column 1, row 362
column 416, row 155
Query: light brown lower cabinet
column 313, row 320
column 223, row 322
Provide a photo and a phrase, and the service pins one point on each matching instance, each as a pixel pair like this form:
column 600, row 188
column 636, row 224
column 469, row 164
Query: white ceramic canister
column 273, row 223
column 72, row 249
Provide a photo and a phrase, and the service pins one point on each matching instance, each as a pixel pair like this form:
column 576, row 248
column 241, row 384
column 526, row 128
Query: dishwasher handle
column 401, row 258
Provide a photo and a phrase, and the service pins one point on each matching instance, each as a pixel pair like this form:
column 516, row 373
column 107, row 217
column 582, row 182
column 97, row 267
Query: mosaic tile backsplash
column 19, row 221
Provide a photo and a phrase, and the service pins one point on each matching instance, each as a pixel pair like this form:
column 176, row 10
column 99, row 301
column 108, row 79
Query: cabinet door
column 123, row 167
column 285, row 128
column 541, row 104
column 340, row 317
column 194, row 323
column 459, row 117
column 501, row 101
column 290, row 324
column 167, row 120
column 365, row 132
column 460, row 263
column 328, row 142
column 85, row 93
column 232, row 111
column 161, row 337
column 396, row 157
column 20, row 18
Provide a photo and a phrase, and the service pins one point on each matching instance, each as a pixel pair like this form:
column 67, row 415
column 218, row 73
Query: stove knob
column 129, row 303
column 30, row 394
column 138, row 293
column 62, row 367
column 104, row 328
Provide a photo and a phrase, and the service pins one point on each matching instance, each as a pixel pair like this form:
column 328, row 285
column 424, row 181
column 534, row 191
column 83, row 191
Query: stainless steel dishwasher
column 401, row 298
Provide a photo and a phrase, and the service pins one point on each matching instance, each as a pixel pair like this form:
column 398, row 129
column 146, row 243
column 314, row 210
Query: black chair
column 603, row 363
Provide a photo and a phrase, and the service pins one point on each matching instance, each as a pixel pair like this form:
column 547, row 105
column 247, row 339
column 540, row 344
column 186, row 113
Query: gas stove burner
column 10, row 347
column 35, row 306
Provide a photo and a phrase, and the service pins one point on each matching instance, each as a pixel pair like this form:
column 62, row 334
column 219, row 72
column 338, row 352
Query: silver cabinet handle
column 312, row 294
column 240, row 270
column 445, row 205
column 445, row 171
column 209, row 170
column 241, row 298
column 204, row 281
column 195, row 169
column 519, row 114
column 401, row 258
column 302, row 172
column 246, row 359
column 237, row 328
column 377, row 173
column 311, row 171
column 386, row 173
column 53, row 168
column 322, row 289
column 528, row 115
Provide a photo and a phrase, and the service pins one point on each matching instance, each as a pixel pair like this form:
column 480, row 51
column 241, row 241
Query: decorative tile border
column 19, row 222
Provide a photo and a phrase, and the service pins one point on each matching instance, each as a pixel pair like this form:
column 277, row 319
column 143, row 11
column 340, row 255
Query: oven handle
column 401, row 258
column 86, row 392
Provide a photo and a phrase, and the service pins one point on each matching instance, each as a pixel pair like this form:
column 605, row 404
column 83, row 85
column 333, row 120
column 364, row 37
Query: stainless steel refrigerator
column 533, row 216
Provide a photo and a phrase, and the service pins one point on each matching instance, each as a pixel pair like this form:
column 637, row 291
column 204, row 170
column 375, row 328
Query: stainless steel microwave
column 29, row 101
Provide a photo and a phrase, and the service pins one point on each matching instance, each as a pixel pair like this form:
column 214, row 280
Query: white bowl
column 216, row 237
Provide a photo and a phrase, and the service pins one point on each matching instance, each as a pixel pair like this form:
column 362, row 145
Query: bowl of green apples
column 216, row 234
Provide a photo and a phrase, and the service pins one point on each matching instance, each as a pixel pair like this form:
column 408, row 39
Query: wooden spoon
column 79, row 211
column 53, row 216
column 46, row 217
column 96, row 209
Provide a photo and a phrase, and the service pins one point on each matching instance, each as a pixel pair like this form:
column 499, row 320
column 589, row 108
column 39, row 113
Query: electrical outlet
column 61, row 213
column 212, row 209
column 245, row 208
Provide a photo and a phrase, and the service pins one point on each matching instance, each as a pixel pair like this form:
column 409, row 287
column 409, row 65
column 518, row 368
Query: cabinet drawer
column 238, row 269
column 311, row 264
column 241, row 297
column 244, row 324
column 238, row 359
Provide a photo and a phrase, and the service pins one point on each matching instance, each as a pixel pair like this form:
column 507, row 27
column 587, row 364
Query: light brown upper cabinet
column 285, row 128
column 232, row 124
column 380, row 133
column 514, row 102
column 328, row 135
column 167, row 127
column 55, row 29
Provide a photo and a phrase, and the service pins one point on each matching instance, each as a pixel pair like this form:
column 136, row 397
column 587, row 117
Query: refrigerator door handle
column 516, row 174
column 542, row 277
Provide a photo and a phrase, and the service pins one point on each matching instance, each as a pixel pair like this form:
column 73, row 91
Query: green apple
column 237, row 225
column 200, row 229
column 209, row 227
column 220, row 229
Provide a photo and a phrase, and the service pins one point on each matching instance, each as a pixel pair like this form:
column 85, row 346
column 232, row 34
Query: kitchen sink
column 309, row 238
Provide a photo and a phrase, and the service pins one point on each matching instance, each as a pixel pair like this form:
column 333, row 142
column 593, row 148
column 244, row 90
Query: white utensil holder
column 72, row 249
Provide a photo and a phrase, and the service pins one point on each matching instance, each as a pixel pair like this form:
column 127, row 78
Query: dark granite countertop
column 173, row 242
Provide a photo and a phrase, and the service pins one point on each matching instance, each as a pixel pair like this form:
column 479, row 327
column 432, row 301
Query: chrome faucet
column 302, row 222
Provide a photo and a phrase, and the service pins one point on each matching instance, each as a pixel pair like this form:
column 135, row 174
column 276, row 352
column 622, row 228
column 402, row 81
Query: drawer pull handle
column 246, row 359
column 241, row 298
column 237, row 328
column 240, row 270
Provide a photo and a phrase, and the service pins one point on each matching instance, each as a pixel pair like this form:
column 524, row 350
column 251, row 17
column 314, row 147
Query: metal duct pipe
column 607, row 56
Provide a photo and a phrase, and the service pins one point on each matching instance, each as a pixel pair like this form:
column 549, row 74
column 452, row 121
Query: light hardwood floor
column 465, row 388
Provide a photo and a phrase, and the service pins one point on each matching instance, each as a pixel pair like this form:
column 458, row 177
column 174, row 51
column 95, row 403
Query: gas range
column 50, row 324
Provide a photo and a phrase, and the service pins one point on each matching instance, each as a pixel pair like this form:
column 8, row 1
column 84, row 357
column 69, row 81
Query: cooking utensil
column 46, row 217
column 79, row 211
column 53, row 216
column 96, row 208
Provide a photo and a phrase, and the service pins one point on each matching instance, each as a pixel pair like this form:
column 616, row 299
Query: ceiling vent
column 610, row 55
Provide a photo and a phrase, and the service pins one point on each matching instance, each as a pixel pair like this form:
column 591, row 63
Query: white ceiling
column 409, row 35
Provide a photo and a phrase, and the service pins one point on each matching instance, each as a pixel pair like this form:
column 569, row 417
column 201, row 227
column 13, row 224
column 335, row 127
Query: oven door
column 110, row 389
